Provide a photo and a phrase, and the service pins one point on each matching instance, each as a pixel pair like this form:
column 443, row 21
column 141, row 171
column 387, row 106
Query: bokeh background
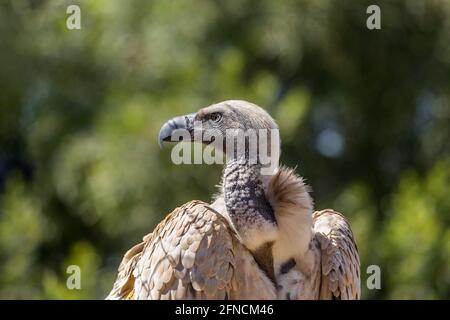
column 363, row 114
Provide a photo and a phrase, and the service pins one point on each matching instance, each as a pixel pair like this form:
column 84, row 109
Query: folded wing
column 192, row 254
column 340, row 265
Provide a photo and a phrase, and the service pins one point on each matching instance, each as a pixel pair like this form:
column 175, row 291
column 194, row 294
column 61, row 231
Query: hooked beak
column 182, row 126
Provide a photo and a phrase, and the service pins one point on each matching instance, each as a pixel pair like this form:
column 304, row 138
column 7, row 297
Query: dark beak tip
column 162, row 136
column 168, row 128
column 162, row 140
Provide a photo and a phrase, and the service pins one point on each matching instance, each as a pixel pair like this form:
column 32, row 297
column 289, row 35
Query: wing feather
column 339, row 256
column 192, row 254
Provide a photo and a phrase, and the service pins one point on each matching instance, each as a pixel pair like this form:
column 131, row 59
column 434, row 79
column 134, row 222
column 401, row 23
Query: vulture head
column 240, row 129
column 249, row 138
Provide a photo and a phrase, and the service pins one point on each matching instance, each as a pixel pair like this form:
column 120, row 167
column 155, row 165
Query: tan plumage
column 339, row 256
column 239, row 247
column 192, row 254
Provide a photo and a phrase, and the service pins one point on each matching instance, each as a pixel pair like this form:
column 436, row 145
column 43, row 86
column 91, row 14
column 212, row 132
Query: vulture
column 259, row 237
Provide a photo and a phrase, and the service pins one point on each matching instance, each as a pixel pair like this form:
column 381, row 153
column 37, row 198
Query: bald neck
column 246, row 202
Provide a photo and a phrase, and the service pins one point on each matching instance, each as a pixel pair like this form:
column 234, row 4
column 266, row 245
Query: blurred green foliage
column 364, row 114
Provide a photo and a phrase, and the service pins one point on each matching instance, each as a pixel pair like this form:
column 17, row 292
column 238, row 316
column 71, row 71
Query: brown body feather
column 259, row 239
column 192, row 254
column 172, row 262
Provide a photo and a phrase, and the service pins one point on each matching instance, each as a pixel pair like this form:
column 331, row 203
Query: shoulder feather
column 339, row 256
column 192, row 254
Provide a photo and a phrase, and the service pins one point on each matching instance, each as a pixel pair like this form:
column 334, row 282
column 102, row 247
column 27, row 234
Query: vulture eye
column 216, row 117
